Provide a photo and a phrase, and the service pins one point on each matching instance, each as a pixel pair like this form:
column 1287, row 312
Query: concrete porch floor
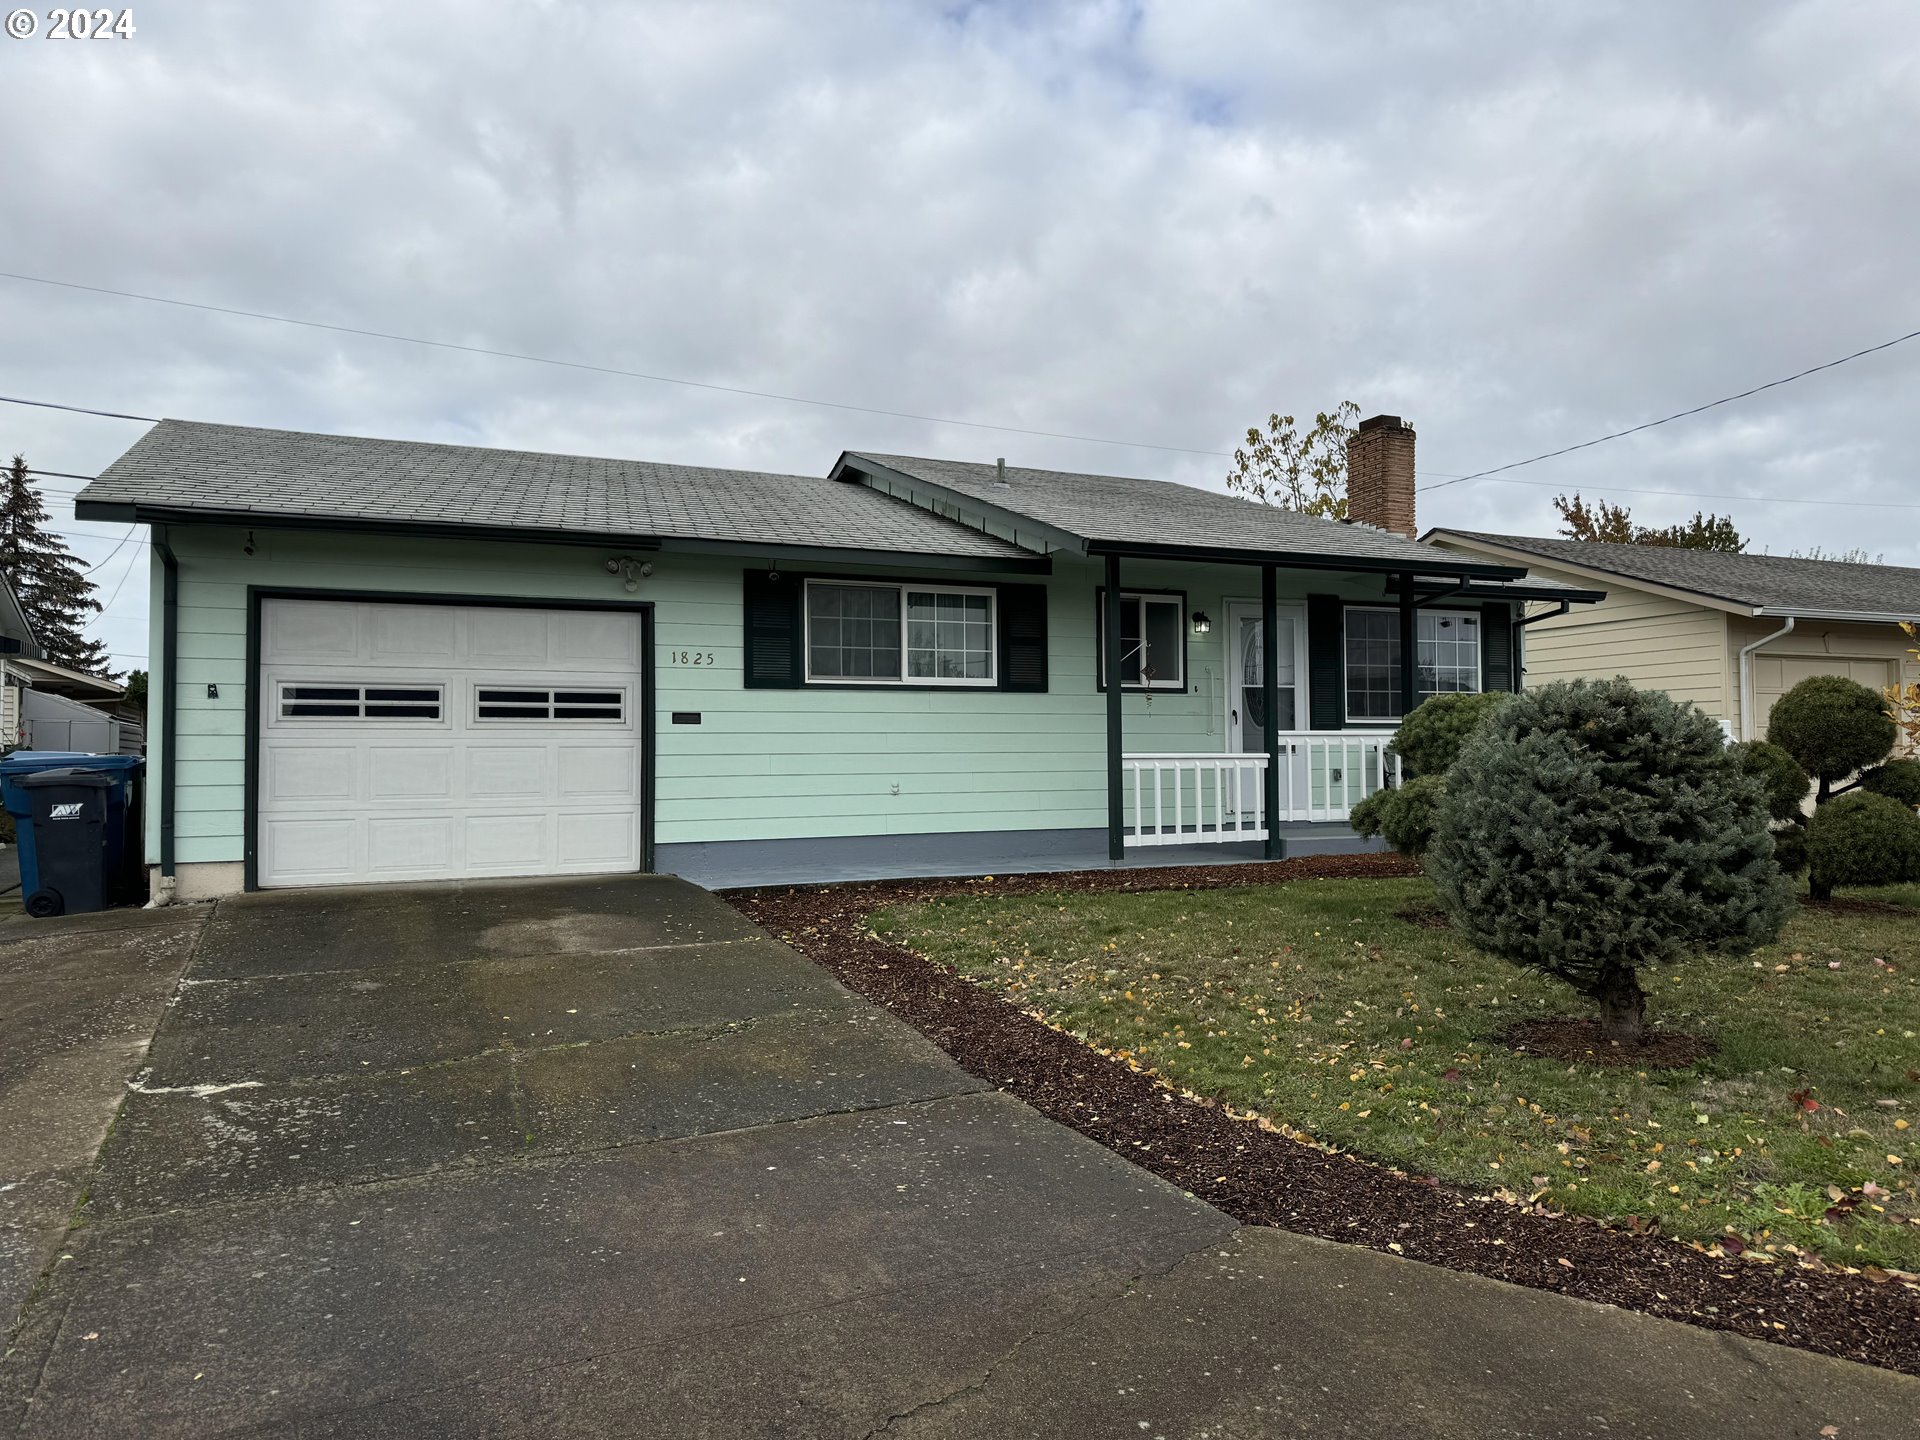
column 744, row 865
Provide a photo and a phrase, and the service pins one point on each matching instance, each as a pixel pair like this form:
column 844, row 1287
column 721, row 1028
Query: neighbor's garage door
column 426, row 742
column 1774, row 675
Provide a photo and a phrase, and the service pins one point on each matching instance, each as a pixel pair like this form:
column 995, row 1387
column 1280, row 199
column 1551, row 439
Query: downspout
column 1746, row 675
column 169, row 704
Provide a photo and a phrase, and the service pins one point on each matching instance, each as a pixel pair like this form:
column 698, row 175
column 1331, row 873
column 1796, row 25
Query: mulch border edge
column 1264, row 1174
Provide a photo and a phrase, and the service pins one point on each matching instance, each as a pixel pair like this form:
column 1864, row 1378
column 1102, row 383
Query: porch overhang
column 1426, row 569
column 1532, row 590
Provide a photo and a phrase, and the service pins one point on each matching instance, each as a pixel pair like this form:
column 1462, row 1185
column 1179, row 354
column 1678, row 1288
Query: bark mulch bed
column 1578, row 1041
column 1263, row 1178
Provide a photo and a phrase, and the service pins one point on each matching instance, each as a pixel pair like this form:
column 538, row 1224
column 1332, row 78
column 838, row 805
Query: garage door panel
column 508, row 844
column 410, row 844
column 359, row 782
column 604, row 772
column 410, row 634
column 507, row 772
column 315, row 631
column 611, row 641
column 309, row 773
column 410, row 772
column 310, row 851
column 509, row 638
column 605, row 840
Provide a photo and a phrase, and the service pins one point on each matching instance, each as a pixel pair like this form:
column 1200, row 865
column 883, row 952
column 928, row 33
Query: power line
column 78, row 409
column 101, row 614
column 1722, row 495
column 114, row 551
column 593, row 369
column 61, row 475
column 1679, row 415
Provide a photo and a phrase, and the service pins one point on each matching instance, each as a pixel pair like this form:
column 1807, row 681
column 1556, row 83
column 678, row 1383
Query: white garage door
column 426, row 742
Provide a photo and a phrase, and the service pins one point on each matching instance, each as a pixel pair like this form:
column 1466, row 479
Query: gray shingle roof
column 230, row 469
column 1124, row 511
column 1768, row 582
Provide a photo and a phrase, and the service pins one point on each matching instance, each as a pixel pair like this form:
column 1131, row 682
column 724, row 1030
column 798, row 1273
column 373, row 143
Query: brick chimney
column 1380, row 475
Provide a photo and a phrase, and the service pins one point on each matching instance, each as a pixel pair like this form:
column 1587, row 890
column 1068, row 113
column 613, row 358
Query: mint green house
column 384, row 661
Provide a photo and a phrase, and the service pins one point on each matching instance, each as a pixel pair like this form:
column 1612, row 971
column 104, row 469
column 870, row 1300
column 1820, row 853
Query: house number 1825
column 691, row 657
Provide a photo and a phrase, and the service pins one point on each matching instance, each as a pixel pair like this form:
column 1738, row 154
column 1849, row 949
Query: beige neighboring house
column 1731, row 633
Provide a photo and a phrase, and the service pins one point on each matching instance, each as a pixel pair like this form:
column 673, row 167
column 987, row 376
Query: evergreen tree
column 53, row 590
column 1591, row 830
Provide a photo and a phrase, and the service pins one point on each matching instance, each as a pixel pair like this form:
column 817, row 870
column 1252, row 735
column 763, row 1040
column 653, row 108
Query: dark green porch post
column 1270, row 702
column 1116, row 817
column 1409, row 646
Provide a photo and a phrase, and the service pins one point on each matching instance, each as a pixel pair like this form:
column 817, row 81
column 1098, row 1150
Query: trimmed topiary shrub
column 1599, row 829
column 1862, row 839
column 1784, row 783
column 1403, row 815
column 1835, row 727
column 1429, row 739
column 1897, row 780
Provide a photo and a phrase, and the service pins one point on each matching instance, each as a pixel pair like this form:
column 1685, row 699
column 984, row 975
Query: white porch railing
column 1183, row 799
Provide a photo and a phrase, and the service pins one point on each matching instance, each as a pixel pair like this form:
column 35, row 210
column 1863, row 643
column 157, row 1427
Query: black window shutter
column 1496, row 647
column 773, row 631
column 1326, row 665
column 1023, row 637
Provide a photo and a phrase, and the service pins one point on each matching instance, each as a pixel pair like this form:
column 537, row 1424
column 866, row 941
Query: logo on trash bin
column 68, row 812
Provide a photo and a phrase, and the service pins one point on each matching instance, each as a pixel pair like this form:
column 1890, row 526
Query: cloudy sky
column 1520, row 226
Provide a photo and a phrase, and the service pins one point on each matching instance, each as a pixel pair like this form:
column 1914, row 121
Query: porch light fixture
column 630, row 570
column 1201, row 624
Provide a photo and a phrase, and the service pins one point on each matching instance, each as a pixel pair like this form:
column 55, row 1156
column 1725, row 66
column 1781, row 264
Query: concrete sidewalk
column 599, row 1158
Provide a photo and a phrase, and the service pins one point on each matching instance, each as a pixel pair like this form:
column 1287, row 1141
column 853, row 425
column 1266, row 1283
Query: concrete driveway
column 600, row 1158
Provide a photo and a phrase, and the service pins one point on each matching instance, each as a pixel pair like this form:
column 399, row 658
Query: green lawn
column 1316, row 1005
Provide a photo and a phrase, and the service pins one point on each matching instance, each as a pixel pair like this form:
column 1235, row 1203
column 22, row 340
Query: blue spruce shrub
column 1593, row 829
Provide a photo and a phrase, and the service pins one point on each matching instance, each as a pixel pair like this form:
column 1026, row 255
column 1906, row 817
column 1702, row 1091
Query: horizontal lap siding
column 1656, row 642
column 762, row 764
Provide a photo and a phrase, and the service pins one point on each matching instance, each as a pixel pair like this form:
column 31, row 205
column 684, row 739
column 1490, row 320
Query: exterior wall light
column 631, row 571
column 1201, row 624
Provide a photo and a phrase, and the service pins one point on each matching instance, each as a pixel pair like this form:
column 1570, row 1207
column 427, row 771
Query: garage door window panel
column 498, row 703
column 329, row 700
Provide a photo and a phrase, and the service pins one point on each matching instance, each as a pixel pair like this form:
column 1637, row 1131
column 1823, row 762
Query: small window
column 899, row 634
column 333, row 701
column 1152, row 641
column 1449, row 658
column 491, row 702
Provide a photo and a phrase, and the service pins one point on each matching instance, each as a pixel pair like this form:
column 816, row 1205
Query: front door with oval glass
column 1247, row 718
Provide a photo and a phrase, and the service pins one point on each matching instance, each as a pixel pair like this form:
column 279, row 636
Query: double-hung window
column 1449, row 658
column 860, row 633
column 1152, row 641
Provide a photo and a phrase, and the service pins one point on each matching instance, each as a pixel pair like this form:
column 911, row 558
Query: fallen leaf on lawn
column 1564, row 1261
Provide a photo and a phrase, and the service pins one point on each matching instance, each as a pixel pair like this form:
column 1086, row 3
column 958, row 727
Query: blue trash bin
column 123, row 770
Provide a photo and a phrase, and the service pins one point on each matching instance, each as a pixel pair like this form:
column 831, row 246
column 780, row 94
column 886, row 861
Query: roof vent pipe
column 1000, row 471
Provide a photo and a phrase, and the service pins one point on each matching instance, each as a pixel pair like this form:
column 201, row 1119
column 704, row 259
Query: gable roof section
column 185, row 471
column 1103, row 514
column 1758, row 584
